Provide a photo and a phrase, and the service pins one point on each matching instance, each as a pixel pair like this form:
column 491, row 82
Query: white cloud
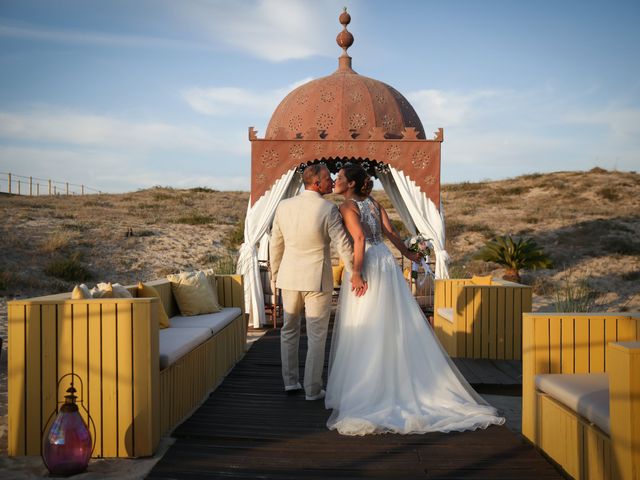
column 234, row 101
column 622, row 122
column 83, row 37
column 63, row 126
column 275, row 30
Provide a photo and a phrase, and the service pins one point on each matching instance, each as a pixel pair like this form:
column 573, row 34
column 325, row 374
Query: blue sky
column 127, row 94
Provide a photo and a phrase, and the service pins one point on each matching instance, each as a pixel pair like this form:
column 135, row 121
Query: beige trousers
column 317, row 307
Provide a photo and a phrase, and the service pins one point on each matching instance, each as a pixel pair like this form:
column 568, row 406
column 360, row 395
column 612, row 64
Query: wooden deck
column 249, row 428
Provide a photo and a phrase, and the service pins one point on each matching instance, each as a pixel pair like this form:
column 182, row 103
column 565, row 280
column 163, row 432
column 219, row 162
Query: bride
column 387, row 370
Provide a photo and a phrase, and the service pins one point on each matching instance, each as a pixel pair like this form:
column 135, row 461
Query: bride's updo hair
column 355, row 173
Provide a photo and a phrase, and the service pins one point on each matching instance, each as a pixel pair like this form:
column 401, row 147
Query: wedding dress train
column 387, row 370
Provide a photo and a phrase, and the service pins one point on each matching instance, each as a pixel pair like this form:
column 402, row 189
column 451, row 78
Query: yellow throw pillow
column 481, row 280
column 81, row 292
column 149, row 291
column 193, row 293
column 120, row 291
column 337, row 275
column 211, row 277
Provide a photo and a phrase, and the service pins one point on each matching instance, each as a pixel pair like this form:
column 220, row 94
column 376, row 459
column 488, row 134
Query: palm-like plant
column 514, row 255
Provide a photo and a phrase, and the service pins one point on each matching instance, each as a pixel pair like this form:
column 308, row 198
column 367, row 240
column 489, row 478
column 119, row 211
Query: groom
column 303, row 228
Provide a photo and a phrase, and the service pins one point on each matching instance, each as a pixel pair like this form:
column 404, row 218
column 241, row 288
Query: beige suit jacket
column 300, row 247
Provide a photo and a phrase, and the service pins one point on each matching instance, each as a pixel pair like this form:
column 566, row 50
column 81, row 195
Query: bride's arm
column 392, row 235
column 351, row 218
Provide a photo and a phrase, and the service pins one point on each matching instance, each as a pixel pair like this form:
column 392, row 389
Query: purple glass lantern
column 66, row 447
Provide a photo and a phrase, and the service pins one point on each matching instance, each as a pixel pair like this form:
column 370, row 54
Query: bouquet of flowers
column 419, row 244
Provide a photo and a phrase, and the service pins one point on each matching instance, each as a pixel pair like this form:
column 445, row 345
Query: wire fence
column 34, row 186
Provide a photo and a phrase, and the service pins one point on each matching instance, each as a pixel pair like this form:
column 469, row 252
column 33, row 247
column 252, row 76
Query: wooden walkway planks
column 248, row 428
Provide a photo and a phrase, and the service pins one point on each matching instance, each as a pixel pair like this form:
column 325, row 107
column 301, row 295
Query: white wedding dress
column 387, row 370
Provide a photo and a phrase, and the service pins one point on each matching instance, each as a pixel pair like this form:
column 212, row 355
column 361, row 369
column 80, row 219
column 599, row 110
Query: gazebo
column 343, row 117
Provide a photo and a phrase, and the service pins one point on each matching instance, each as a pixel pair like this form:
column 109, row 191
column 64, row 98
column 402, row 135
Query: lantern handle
column 81, row 401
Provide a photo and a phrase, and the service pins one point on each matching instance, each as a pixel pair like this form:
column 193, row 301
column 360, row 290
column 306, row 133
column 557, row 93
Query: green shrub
column 235, row 237
column 70, row 269
column 609, row 193
column 514, row 255
column 574, row 296
column 225, row 265
column 195, row 219
column 631, row 276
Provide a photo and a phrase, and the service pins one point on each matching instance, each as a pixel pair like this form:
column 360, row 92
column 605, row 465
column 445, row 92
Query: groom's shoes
column 318, row 396
column 292, row 389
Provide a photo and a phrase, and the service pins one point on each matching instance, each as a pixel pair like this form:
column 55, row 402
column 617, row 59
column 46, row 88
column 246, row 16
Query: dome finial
column 345, row 40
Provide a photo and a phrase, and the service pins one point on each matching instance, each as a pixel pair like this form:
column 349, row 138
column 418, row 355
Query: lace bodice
column 370, row 220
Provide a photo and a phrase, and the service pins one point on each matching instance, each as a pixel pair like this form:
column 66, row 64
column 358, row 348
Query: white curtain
column 256, row 225
column 422, row 211
column 391, row 189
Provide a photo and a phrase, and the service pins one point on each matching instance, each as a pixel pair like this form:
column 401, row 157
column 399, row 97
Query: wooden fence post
column 49, row 187
column 9, row 182
column 30, row 186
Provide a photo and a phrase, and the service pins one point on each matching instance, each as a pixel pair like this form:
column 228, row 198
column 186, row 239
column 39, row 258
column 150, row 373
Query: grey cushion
column 213, row 321
column 176, row 342
column 446, row 313
column 585, row 393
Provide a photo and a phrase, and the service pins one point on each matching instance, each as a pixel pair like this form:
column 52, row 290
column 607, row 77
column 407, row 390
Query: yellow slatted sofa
column 581, row 391
column 480, row 317
column 137, row 382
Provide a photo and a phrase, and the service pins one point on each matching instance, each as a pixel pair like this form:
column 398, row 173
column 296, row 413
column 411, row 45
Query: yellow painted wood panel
column 484, row 322
column 517, row 322
column 492, row 313
column 541, row 345
column 509, row 328
column 94, row 381
column 568, row 341
column 529, row 405
column 624, row 394
column 124, row 372
column 596, row 465
column 33, row 408
column 554, row 345
column 474, row 297
column 80, row 337
column 110, row 424
column 16, row 379
column 500, row 310
column 581, row 343
column 596, row 344
column 146, row 393
column 561, row 435
column 627, row 329
column 49, row 353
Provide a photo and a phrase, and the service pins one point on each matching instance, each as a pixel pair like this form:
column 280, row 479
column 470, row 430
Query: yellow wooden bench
column 580, row 343
column 480, row 321
column 113, row 346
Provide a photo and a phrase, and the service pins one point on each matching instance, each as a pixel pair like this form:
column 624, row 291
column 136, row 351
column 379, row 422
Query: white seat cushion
column 585, row 393
column 213, row 321
column 176, row 342
column 446, row 313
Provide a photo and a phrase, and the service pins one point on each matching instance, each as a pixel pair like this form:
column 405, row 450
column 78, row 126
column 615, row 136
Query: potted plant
column 514, row 255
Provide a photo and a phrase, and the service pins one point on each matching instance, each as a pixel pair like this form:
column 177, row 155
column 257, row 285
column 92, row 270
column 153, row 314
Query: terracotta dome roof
column 344, row 102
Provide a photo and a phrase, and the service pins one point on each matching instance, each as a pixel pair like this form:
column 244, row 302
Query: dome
column 342, row 104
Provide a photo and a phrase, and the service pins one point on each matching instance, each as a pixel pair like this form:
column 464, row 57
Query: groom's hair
column 311, row 174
